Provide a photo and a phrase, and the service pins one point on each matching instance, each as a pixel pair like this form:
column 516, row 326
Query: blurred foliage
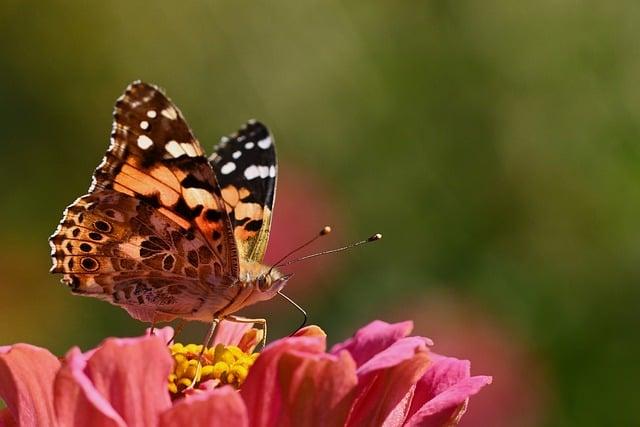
column 495, row 143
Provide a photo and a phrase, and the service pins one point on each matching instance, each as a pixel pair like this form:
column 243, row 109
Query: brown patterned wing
column 165, row 197
column 120, row 249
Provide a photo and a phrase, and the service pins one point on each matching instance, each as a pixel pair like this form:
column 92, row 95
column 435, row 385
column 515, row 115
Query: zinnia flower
column 380, row 377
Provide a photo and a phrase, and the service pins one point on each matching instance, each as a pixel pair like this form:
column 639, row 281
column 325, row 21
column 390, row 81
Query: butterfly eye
column 263, row 284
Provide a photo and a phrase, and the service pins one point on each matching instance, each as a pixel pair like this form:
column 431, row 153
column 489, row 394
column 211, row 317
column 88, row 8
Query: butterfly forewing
column 155, row 204
column 155, row 157
column 245, row 166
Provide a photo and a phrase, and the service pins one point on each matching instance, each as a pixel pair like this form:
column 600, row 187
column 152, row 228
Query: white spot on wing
column 251, row 172
column 265, row 143
column 189, row 149
column 144, row 125
column 144, row 142
column 236, row 154
column 152, row 114
column 264, row 171
column 227, row 168
column 249, row 145
column 170, row 113
column 174, row 148
column 272, row 171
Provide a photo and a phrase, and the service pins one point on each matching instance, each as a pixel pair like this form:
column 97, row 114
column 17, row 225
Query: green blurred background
column 496, row 144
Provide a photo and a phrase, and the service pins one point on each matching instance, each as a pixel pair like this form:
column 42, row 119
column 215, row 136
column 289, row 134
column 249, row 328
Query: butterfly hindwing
column 245, row 166
column 115, row 247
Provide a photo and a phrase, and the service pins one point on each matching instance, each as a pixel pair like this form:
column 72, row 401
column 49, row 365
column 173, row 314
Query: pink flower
column 463, row 327
column 380, row 377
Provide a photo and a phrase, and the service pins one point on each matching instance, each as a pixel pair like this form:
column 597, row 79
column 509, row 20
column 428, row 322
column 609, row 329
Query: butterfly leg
column 152, row 328
column 177, row 331
column 210, row 334
column 261, row 322
column 214, row 324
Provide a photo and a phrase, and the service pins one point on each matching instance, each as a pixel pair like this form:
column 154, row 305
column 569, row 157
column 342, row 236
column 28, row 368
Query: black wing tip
column 254, row 123
column 254, row 127
column 255, row 130
column 251, row 131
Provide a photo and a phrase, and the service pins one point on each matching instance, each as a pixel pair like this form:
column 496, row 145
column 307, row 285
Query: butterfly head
column 265, row 281
column 272, row 282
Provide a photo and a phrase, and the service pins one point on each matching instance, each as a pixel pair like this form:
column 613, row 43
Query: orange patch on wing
column 164, row 175
column 248, row 210
column 243, row 192
column 230, row 196
column 198, row 196
column 242, row 235
column 122, row 189
column 145, row 184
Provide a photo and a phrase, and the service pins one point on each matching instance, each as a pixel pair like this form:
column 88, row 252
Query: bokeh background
column 496, row 144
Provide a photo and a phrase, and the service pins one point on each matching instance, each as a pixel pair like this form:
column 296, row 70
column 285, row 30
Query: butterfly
column 165, row 232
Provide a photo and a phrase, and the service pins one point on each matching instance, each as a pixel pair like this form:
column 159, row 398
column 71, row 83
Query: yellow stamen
column 226, row 364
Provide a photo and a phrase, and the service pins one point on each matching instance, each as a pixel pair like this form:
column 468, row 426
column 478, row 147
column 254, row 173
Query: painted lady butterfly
column 165, row 232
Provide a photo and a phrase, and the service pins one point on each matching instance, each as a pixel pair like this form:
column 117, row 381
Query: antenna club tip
column 326, row 230
column 375, row 237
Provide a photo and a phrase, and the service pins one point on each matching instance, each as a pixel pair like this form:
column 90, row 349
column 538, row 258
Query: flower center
column 222, row 364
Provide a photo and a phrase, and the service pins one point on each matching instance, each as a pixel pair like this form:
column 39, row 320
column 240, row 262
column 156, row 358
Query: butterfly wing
column 120, row 249
column 153, row 231
column 245, row 165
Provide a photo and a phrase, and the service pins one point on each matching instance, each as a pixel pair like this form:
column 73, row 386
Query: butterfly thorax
column 251, row 270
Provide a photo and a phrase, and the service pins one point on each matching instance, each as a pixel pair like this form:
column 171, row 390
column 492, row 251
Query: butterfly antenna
column 325, row 230
column 373, row 238
column 300, row 309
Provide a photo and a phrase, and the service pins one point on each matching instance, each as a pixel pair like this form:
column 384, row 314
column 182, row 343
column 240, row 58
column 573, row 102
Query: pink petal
column 26, row 384
column 77, row 402
column 443, row 373
column 250, row 340
column 317, row 389
column 218, row 407
column 442, row 391
column 398, row 414
column 372, row 339
column 310, row 331
column 386, row 379
column 399, row 351
column 122, row 382
column 132, row 374
column 261, row 391
column 230, row 333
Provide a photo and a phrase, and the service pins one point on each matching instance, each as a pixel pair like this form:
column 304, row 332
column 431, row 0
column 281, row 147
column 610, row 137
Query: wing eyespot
column 89, row 264
column 103, row 226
